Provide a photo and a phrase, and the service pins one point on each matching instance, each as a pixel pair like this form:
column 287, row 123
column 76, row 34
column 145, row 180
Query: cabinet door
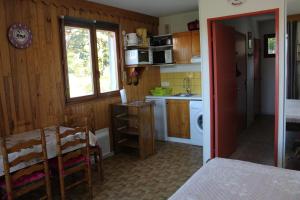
column 195, row 43
column 182, row 47
column 178, row 113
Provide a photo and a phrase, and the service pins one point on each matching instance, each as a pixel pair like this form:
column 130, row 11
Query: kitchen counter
column 194, row 97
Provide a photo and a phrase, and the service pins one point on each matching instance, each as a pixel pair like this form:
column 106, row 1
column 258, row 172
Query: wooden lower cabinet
column 178, row 116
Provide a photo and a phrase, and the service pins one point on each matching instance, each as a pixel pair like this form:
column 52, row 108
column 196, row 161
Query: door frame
column 211, row 75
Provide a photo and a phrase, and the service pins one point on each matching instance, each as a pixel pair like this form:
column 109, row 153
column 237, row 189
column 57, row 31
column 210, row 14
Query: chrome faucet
column 187, row 85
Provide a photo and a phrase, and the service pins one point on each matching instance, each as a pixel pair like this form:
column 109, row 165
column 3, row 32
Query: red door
column 225, row 89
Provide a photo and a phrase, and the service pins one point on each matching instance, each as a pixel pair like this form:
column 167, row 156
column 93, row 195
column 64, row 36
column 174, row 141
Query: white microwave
column 138, row 57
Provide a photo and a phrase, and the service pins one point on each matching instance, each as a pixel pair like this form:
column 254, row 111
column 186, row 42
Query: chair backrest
column 73, row 156
column 71, row 144
column 79, row 120
column 31, row 150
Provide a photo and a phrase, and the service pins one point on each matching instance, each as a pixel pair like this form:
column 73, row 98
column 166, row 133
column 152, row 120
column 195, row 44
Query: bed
column 225, row 179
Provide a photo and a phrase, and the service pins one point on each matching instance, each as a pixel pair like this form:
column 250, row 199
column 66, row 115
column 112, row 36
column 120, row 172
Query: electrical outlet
column 165, row 84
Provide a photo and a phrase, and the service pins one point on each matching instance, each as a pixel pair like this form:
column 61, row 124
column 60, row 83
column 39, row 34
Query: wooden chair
column 96, row 151
column 74, row 161
column 25, row 180
column 81, row 120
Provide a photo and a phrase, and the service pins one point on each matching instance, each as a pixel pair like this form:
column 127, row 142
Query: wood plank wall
column 31, row 81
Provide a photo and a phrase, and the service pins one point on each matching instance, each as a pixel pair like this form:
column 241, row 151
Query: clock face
column 236, row 2
column 20, row 36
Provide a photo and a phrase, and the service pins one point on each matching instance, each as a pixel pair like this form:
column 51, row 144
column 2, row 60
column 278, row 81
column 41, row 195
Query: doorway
column 230, row 89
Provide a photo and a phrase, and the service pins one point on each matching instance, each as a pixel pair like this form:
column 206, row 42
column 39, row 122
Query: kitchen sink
column 183, row 95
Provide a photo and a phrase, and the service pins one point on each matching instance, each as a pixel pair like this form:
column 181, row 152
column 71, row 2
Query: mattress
column 225, row 179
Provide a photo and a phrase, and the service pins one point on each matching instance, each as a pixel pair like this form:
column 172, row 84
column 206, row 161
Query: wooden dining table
column 51, row 145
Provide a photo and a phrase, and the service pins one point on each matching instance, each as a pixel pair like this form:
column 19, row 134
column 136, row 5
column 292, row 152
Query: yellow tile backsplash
column 175, row 81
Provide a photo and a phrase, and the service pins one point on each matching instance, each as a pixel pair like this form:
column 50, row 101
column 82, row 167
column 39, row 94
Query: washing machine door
column 200, row 121
column 197, row 128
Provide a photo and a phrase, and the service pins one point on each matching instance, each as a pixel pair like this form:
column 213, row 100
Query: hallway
column 256, row 143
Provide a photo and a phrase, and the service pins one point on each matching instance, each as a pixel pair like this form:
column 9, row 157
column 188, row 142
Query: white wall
column 216, row 8
column 267, row 72
column 177, row 22
column 293, row 7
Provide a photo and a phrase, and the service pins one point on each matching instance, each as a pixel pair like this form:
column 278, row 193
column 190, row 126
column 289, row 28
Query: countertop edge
column 199, row 98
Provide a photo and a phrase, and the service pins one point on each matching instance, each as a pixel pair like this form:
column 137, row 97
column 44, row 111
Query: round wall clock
column 20, row 36
column 236, row 2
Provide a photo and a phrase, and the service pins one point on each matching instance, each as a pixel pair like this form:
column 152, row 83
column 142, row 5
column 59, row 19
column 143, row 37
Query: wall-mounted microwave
column 163, row 56
column 161, row 40
column 138, row 57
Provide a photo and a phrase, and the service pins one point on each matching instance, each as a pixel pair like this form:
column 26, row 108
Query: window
column 270, row 45
column 107, row 60
column 79, row 59
column 90, row 59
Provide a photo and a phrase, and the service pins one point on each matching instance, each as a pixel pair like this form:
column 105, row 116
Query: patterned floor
column 155, row 178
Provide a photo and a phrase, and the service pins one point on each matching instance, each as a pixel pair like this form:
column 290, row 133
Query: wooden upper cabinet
column 178, row 115
column 182, row 47
column 186, row 45
column 195, row 43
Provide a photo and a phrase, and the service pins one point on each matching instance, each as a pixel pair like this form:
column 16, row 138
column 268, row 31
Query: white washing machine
column 196, row 120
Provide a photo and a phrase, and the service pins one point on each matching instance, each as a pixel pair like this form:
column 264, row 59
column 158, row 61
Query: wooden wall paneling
column 25, row 66
column 30, row 17
column 2, row 122
column 151, row 75
column 60, row 11
column 93, row 7
column 4, row 71
column 55, row 104
column 59, row 99
column 45, row 76
column 21, row 96
column 31, row 81
column 125, row 26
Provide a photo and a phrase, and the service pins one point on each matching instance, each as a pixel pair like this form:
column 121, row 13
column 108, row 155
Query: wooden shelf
column 134, row 104
column 129, row 143
column 126, row 117
column 129, row 47
column 132, row 126
column 129, row 130
column 161, row 47
column 164, row 65
column 138, row 66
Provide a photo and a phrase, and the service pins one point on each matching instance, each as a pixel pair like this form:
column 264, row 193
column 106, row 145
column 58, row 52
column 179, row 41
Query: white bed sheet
column 225, row 179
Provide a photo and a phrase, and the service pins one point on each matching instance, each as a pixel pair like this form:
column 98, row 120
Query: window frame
column 266, row 45
column 93, row 26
